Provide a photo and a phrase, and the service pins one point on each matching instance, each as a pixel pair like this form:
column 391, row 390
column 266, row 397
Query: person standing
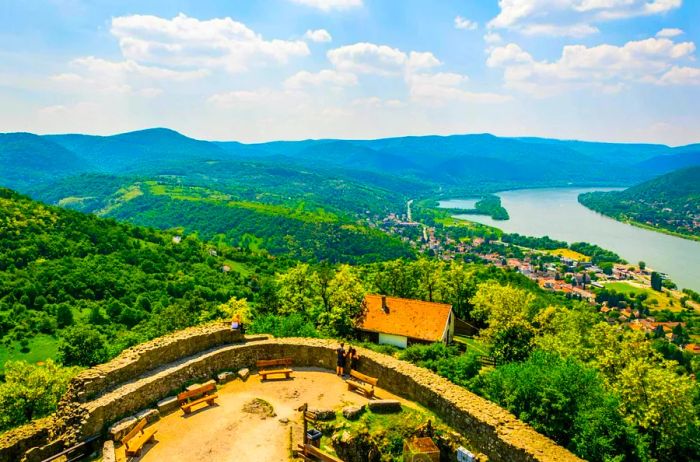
column 350, row 359
column 340, row 364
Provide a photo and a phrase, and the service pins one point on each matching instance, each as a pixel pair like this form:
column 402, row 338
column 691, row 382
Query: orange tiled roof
column 409, row 318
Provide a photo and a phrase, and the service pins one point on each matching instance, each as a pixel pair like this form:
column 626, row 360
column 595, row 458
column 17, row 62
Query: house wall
column 396, row 340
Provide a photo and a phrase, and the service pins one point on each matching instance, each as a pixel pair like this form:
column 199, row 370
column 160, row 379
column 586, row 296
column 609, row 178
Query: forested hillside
column 670, row 202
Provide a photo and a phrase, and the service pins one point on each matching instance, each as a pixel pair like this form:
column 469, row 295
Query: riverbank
column 690, row 237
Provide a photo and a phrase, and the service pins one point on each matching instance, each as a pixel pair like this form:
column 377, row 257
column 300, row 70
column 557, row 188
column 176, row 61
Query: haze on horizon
column 623, row 71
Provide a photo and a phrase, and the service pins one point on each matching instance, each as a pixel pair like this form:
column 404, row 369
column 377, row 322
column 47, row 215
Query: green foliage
column 82, row 346
column 656, row 282
column 31, row 391
column 292, row 325
column 670, row 203
column 565, row 400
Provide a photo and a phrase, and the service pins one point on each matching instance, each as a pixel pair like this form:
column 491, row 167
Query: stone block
column 225, row 377
column 168, row 404
column 108, row 454
column 121, row 428
column 151, row 415
column 384, row 405
column 323, row 414
column 353, row 412
column 244, row 373
column 194, row 386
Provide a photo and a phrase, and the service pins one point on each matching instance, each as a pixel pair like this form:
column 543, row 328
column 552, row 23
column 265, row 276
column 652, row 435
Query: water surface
column 556, row 213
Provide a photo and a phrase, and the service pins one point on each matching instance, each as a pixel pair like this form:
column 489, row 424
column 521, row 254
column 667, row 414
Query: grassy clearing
column 662, row 300
column 238, row 267
column 572, row 254
column 473, row 344
column 41, row 348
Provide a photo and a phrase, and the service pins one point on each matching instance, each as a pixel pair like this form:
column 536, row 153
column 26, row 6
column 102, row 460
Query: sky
column 601, row 70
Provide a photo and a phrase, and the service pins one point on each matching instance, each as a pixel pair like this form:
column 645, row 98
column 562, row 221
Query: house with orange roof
column 402, row 322
column 693, row 348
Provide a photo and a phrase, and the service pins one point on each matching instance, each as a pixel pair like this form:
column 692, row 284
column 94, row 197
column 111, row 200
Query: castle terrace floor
column 225, row 433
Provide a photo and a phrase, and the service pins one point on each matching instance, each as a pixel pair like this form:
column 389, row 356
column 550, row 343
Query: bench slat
column 134, row 431
column 196, row 392
column 364, row 378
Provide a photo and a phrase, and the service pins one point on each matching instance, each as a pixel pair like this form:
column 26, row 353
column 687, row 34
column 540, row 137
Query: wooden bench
column 204, row 394
column 312, row 453
column 274, row 367
column 137, row 438
column 360, row 381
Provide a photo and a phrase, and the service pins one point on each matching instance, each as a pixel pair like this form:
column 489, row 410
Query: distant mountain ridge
column 670, row 202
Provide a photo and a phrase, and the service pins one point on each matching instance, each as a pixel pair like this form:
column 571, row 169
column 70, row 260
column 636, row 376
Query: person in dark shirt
column 340, row 365
column 350, row 359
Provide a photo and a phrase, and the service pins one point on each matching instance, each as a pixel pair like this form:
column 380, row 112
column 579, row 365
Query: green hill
column 27, row 159
column 61, row 268
column 668, row 203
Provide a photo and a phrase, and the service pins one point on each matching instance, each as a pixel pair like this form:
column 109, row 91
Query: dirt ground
column 225, row 433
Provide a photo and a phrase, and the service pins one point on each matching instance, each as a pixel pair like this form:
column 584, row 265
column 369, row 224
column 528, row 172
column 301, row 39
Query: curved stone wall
column 137, row 379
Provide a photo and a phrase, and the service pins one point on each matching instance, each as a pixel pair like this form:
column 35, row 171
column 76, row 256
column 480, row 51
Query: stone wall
column 198, row 354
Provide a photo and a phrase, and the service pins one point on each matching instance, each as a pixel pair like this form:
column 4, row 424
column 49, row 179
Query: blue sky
column 608, row 70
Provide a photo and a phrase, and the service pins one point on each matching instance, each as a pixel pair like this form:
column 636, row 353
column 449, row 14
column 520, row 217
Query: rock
column 209, row 382
column 151, row 415
column 244, row 373
column 108, row 454
column 225, row 377
column 353, row 412
column 284, row 420
column 384, row 405
column 121, row 428
column 355, row 448
column 168, row 404
column 323, row 414
column 194, row 386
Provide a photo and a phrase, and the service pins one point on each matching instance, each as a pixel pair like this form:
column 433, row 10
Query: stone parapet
column 142, row 376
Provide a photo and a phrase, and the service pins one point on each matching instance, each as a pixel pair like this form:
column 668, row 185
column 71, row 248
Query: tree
column 298, row 291
column 237, row 307
column 458, row 288
column 660, row 403
column 514, row 342
column 345, row 295
column 499, row 306
column 64, row 316
column 29, row 391
column 656, row 282
column 82, row 346
column 642, row 265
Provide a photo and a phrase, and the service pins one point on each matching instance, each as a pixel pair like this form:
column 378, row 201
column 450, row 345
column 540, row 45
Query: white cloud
column 185, row 42
column 669, row 33
column 569, row 30
column 604, row 67
column 492, row 38
column 375, row 102
column 680, row 76
column 572, row 17
column 465, row 24
column 447, row 88
column 328, row 5
column 119, row 77
column 326, row 76
column 368, row 58
column 318, row 35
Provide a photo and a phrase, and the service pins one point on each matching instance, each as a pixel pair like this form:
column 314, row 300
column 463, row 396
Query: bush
column 427, row 355
column 293, row 325
column 31, row 391
column 82, row 346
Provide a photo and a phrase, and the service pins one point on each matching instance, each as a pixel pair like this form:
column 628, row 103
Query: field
column 41, row 348
column 655, row 300
column 573, row 255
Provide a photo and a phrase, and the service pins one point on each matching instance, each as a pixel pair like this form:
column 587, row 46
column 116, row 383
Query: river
column 556, row 213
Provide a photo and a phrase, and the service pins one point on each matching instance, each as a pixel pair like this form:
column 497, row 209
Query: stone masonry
column 144, row 375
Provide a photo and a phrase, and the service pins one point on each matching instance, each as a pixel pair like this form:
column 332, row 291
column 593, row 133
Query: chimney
column 385, row 308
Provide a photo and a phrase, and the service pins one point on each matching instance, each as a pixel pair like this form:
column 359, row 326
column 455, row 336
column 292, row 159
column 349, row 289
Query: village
column 565, row 272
